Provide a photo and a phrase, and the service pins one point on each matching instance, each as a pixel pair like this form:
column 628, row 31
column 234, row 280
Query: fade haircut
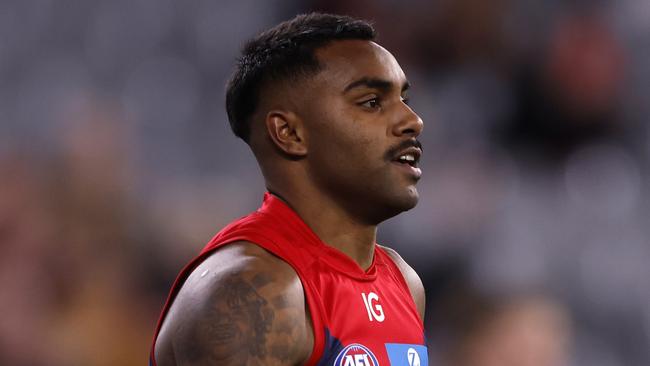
column 284, row 52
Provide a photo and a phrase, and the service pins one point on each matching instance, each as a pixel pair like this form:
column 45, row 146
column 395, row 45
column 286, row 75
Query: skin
column 325, row 145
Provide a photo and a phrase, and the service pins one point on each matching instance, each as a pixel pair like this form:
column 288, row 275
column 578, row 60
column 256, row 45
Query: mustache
column 393, row 151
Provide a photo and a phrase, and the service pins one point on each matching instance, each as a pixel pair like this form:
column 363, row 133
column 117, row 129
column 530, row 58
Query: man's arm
column 412, row 279
column 241, row 306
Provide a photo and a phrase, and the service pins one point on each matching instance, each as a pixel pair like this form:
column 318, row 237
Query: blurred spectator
column 473, row 326
column 78, row 288
column 529, row 330
column 571, row 95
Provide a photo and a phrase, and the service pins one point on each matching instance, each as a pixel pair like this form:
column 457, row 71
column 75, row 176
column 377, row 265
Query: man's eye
column 371, row 103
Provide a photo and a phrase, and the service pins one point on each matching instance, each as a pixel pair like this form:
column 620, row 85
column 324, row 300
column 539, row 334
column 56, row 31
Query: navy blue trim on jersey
column 332, row 348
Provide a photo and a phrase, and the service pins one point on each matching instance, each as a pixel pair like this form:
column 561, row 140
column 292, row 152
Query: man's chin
column 410, row 198
column 399, row 203
column 411, row 201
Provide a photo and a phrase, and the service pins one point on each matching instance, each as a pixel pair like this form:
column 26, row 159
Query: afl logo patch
column 356, row 355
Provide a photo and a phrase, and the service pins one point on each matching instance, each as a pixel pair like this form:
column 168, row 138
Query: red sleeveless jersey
column 359, row 318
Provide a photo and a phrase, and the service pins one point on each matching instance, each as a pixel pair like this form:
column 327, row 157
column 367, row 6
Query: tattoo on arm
column 233, row 327
column 238, row 326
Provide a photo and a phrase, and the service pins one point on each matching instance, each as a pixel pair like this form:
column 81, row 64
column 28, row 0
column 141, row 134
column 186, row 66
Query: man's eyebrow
column 374, row 83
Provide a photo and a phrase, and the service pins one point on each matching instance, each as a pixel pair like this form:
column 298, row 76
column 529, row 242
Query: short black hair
column 283, row 52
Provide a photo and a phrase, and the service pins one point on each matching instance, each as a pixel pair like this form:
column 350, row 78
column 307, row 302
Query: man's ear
column 287, row 132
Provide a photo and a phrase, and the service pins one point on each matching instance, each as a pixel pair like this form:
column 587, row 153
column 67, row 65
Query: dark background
column 117, row 165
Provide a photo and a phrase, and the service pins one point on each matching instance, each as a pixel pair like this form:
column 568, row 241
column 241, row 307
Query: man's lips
column 406, row 156
column 411, row 147
column 410, row 155
column 413, row 171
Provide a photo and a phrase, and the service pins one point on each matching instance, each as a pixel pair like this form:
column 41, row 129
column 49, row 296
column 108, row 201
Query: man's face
column 360, row 131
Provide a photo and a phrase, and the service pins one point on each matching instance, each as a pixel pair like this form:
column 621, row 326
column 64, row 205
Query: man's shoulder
column 397, row 259
column 412, row 278
column 247, row 257
column 240, row 304
column 238, row 261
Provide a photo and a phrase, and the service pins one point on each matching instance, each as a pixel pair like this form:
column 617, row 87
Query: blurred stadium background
column 532, row 234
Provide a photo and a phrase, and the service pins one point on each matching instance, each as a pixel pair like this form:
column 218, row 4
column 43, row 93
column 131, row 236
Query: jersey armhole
column 399, row 276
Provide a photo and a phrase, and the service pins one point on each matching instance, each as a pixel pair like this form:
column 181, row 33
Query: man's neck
column 334, row 225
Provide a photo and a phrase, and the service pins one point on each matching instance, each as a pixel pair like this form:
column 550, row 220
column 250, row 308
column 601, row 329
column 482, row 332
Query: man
column 301, row 281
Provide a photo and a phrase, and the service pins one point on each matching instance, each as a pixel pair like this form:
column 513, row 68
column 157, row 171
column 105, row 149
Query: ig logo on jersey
column 372, row 307
column 356, row 355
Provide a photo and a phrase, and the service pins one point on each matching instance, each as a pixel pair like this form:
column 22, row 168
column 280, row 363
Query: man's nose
column 409, row 123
